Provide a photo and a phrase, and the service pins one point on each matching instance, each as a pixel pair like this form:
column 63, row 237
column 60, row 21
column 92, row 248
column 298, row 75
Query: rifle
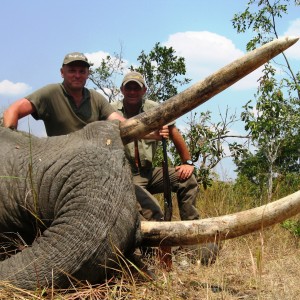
column 168, row 207
column 165, row 252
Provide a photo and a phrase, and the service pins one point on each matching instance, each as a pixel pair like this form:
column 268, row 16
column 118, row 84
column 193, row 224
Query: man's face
column 133, row 93
column 75, row 75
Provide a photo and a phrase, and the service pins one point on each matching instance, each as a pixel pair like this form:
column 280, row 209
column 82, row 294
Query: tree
column 104, row 76
column 274, row 123
column 206, row 141
column 161, row 68
column 263, row 24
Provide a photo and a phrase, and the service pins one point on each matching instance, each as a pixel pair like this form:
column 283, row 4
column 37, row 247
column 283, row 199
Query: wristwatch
column 188, row 162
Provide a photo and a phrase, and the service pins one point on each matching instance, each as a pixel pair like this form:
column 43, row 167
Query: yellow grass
column 264, row 265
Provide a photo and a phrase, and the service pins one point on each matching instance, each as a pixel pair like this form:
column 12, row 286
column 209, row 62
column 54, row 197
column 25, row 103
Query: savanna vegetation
column 263, row 265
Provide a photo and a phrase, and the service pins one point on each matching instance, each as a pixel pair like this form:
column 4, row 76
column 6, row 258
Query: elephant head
column 71, row 199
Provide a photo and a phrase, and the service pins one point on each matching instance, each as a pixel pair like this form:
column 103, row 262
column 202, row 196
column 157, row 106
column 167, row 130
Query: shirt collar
column 120, row 106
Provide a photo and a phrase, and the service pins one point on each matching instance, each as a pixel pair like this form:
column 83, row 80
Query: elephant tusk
column 219, row 228
column 202, row 91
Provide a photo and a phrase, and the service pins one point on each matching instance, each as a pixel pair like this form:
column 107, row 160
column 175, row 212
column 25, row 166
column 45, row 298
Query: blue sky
column 36, row 35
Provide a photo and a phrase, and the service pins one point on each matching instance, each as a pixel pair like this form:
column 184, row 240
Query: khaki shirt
column 61, row 116
column 147, row 148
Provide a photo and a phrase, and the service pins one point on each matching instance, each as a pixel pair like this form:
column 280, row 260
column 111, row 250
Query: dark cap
column 134, row 76
column 75, row 56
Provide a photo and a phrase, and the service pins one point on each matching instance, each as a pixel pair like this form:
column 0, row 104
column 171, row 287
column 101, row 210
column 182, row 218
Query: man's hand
column 164, row 132
column 184, row 171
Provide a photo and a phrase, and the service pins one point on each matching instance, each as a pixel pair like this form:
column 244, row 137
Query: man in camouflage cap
column 64, row 107
column 141, row 153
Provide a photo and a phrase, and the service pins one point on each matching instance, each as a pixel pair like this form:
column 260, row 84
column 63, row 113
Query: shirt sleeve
column 39, row 100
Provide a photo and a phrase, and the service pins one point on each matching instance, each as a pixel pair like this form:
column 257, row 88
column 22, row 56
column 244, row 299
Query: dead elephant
column 71, row 198
column 74, row 193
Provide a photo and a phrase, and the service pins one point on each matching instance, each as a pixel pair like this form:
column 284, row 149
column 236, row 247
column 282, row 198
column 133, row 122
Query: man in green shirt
column 141, row 153
column 149, row 180
column 69, row 106
column 64, row 107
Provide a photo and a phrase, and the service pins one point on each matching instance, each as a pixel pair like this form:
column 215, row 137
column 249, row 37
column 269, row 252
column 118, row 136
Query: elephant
column 71, row 201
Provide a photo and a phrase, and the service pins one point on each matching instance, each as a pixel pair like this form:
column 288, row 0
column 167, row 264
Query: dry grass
column 264, row 265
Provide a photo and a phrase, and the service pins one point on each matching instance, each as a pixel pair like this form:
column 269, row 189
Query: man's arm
column 163, row 132
column 115, row 116
column 16, row 111
column 184, row 170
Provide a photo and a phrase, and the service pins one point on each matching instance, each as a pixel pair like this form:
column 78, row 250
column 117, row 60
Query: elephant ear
column 85, row 182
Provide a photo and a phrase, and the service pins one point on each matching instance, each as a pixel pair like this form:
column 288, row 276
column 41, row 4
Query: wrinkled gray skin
column 80, row 190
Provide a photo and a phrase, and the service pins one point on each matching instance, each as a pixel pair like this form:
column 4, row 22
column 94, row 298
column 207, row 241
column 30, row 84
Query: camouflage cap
column 134, row 76
column 75, row 56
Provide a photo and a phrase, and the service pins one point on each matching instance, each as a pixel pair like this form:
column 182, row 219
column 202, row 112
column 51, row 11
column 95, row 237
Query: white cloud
column 206, row 52
column 294, row 30
column 9, row 88
column 96, row 58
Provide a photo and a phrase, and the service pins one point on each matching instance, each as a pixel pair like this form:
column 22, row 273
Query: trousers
column 149, row 181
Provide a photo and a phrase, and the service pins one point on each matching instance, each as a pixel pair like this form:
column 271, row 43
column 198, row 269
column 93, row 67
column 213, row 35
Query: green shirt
column 60, row 115
column 147, row 148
